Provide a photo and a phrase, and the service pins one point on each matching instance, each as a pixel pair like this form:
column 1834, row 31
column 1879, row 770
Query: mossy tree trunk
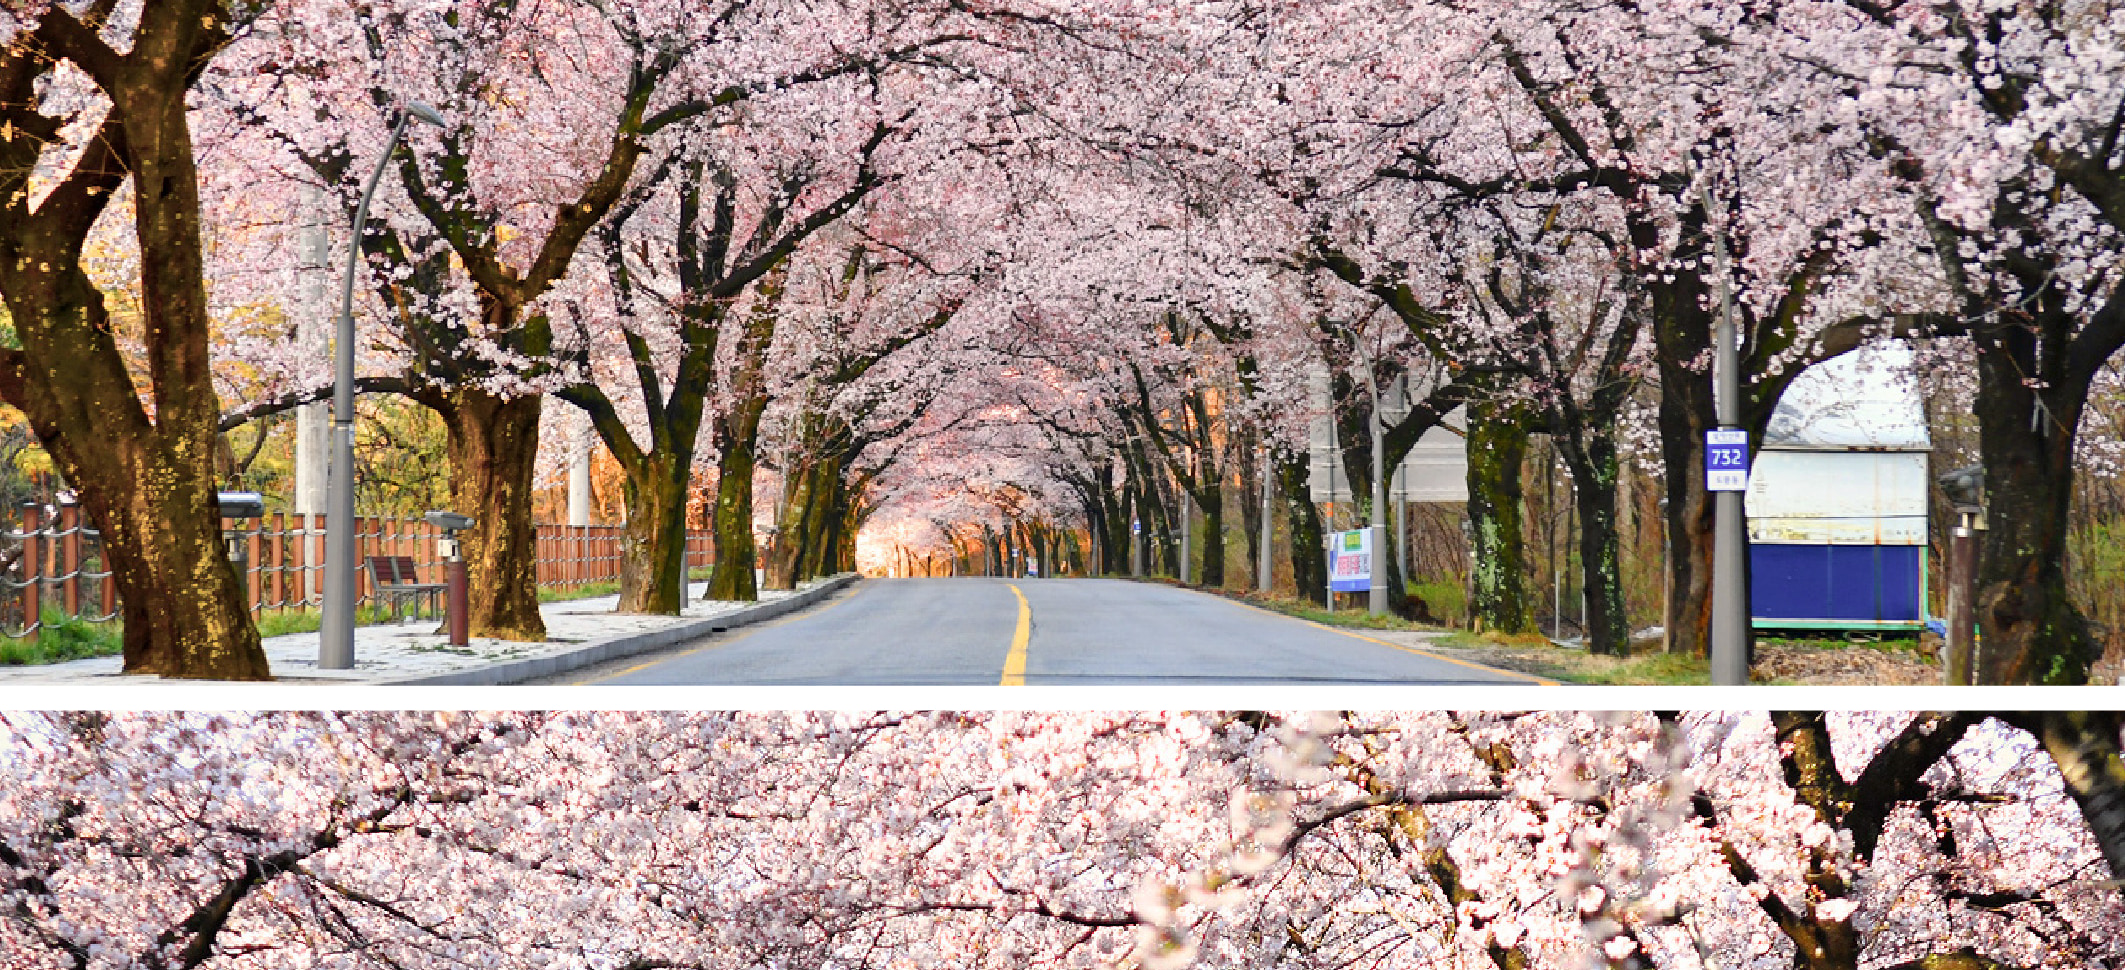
column 736, row 555
column 147, row 482
column 1594, row 472
column 1499, row 599
column 493, row 444
column 1309, row 565
column 737, row 435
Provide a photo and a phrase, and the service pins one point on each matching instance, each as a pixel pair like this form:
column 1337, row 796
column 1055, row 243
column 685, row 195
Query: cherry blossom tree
column 1245, row 839
column 590, row 87
column 96, row 103
column 2003, row 122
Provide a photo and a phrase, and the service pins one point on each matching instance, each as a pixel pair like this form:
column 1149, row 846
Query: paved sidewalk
column 580, row 633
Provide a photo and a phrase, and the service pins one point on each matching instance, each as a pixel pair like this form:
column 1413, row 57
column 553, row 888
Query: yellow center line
column 1014, row 663
column 1390, row 643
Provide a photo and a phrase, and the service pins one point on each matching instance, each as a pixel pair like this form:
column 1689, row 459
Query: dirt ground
column 1777, row 662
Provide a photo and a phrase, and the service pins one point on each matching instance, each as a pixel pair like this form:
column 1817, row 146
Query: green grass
column 1448, row 600
column 1672, row 669
column 1358, row 619
column 282, row 622
column 63, row 638
column 1580, row 667
column 586, row 591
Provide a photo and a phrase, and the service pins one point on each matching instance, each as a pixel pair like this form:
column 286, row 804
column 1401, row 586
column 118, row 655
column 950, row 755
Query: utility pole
column 1966, row 488
column 1264, row 567
column 312, row 443
column 579, row 479
column 1378, row 520
column 1730, row 611
column 1187, row 510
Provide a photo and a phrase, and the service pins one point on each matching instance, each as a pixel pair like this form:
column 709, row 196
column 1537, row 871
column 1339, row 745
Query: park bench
column 395, row 578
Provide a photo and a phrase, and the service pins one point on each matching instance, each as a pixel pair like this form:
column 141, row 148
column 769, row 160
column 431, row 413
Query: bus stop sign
column 1726, row 460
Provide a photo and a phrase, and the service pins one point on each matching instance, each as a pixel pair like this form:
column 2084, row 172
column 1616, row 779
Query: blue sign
column 1726, row 460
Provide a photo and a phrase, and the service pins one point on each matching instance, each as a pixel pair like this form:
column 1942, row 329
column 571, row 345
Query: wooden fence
column 59, row 562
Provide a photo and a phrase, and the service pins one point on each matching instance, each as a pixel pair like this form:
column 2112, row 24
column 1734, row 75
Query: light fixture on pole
column 335, row 649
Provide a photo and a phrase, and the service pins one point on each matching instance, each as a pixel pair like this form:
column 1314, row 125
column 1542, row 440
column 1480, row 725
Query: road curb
column 612, row 648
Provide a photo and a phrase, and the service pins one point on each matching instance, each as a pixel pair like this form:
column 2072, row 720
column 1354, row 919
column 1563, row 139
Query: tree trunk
column 1594, row 487
column 833, row 508
column 2085, row 748
column 493, row 445
column 822, row 533
column 653, row 543
column 148, row 483
column 1115, row 543
column 735, row 554
column 1309, row 566
column 1212, row 540
column 780, row 568
column 1250, row 502
column 737, row 435
column 2030, row 630
column 1685, row 413
column 148, row 486
column 1498, row 570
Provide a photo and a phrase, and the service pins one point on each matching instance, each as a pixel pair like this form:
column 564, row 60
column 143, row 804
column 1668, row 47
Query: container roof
column 1866, row 400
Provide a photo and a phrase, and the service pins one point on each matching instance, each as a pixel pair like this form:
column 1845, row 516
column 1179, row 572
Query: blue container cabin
column 1837, row 500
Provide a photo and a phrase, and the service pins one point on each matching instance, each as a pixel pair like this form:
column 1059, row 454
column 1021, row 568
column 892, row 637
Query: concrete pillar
column 313, row 320
column 579, row 478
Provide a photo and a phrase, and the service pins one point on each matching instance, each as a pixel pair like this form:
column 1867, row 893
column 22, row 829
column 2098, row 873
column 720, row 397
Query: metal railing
column 59, row 561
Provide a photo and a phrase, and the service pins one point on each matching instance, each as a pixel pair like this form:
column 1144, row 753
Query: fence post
column 70, row 551
column 32, row 563
column 108, row 585
column 363, row 547
column 314, row 560
column 254, row 577
column 280, row 562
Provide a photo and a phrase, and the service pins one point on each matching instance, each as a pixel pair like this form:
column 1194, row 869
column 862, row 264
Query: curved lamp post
column 336, row 648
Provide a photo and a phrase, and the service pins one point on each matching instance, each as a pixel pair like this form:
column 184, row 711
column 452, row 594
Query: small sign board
column 1350, row 561
column 1726, row 460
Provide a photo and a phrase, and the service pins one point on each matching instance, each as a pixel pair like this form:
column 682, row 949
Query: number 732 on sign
column 1726, row 460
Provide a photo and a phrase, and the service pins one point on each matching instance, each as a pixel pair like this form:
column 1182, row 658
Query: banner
column 1350, row 561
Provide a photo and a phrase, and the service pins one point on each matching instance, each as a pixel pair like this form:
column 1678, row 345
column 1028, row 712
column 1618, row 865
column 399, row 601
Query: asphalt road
column 922, row 632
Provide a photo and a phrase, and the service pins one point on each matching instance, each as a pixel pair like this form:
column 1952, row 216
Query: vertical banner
column 1350, row 561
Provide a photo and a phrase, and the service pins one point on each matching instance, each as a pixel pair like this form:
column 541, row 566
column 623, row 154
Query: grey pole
column 335, row 649
column 1187, row 509
column 312, row 420
column 1265, row 565
column 1730, row 602
column 1402, row 528
column 1335, row 458
column 1378, row 520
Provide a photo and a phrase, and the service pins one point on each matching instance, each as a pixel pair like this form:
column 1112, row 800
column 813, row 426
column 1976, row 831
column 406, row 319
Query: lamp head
column 449, row 521
column 1965, row 486
column 240, row 505
column 423, row 111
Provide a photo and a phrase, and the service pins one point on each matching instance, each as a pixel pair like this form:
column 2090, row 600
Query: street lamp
column 1966, row 488
column 335, row 649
